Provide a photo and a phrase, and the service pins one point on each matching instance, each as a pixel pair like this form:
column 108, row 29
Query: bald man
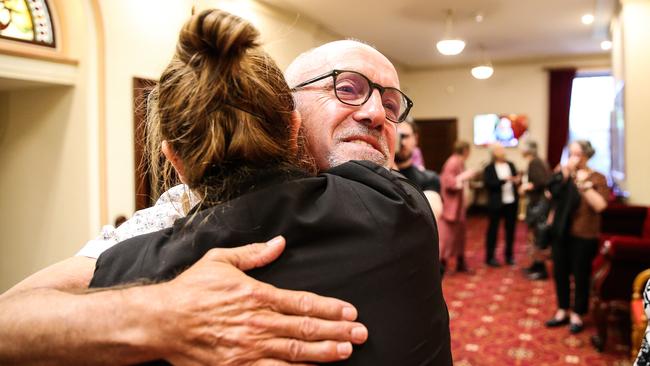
column 122, row 326
column 501, row 180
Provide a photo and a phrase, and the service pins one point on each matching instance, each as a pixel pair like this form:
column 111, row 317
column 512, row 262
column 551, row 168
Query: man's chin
column 347, row 153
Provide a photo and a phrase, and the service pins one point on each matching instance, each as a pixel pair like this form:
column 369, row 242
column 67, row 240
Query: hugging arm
column 210, row 314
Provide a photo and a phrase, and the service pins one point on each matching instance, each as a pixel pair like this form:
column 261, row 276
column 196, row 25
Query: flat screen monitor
column 506, row 129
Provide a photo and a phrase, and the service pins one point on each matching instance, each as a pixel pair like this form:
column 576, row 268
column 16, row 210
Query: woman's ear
column 296, row 122
column 171, row 156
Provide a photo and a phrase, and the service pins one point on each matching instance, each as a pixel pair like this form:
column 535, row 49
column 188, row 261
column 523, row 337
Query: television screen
column 506, row 129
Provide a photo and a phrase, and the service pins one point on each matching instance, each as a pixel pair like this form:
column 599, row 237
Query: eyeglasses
column 353, row 88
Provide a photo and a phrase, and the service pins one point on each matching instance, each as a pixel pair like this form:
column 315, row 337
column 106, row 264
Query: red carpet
column 497, row 315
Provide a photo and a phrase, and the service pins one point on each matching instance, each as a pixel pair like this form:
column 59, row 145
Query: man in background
column 427, row 180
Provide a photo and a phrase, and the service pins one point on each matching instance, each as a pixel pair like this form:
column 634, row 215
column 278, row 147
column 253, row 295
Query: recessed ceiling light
column 587, row 19
column 479, row 17
column 606, row 45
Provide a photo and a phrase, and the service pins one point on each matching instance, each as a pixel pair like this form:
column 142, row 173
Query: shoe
column 556, row 323
column 493, row 263
column 598, row 343
column 510, row 261
column 460, row 264
column 576, row 328
column 443, row 268
column 538, row 276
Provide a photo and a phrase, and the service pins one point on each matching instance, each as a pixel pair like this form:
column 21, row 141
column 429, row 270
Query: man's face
column 336, row 132
column 407, row 143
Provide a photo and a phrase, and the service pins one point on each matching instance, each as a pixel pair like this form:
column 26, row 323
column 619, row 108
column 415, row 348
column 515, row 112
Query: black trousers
column 573, row 256
column 509, row 214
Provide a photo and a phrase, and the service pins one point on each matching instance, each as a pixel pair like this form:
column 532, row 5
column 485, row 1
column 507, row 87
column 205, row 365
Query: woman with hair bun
column 579, row 196
column 224, row 118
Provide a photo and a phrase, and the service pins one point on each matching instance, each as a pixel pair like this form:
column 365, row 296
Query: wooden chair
column 637, row 311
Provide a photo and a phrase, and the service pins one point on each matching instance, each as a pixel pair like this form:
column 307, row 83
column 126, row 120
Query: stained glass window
column 27, row 21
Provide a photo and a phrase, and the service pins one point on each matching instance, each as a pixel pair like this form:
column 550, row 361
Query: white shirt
column 172, row 205
column 507, row 189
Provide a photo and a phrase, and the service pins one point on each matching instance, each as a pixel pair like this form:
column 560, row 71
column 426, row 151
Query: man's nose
column 372, row 112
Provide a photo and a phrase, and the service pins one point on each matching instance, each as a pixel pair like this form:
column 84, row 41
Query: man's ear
column 171, row 156
column 296, row 123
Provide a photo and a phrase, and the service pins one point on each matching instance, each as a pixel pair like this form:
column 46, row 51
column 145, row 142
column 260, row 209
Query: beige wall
column 44, row 149
column 636, row 58
column 142, row 46
column 514, row 88
column 43, row 180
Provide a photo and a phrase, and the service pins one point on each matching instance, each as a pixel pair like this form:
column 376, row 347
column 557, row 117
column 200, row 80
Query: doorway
column 437, row 137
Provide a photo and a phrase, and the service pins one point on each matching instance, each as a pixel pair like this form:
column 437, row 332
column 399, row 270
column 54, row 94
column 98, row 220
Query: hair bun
column 218, row 35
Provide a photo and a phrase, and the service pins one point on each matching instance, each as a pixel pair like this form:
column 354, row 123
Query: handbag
column 543, row 235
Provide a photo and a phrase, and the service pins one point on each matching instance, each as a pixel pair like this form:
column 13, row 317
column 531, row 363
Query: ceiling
column 407, row 30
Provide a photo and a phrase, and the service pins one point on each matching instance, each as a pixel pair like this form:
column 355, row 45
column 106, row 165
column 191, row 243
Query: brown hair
column 414, row 126
column 460, row 147
column 224, row 107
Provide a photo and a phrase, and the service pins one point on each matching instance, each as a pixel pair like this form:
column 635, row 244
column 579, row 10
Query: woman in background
column 579, row 195
column 452, row 223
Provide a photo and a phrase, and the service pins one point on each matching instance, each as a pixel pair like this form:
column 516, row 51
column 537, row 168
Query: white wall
column 636, row 58
column 514, row 88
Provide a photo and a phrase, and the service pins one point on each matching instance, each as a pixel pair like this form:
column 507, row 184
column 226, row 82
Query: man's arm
column 210, row 314
column 71, row 274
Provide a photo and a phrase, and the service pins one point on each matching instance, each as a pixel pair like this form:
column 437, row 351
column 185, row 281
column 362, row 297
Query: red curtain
column 560, row 83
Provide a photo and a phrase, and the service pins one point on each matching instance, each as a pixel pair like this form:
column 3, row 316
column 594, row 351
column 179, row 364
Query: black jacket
column 494, row 185
column 356, row 232
column 426, row 180
column 565, row 201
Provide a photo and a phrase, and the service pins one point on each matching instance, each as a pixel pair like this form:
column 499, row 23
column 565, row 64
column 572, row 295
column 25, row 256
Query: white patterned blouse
column 172, row 205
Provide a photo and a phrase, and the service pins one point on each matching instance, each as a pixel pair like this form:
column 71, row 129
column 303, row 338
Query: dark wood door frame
column 436, row 141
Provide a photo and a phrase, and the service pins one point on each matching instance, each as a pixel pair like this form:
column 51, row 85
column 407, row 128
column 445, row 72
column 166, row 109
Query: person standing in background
column 533, row 186
column 427, row 180
column 501, row 180
column 452, row 223
column 579, row 196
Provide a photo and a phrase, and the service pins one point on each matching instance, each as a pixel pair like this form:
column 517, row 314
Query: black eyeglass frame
column 335, row 73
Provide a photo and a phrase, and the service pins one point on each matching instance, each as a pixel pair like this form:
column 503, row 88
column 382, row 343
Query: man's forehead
column 355, row 56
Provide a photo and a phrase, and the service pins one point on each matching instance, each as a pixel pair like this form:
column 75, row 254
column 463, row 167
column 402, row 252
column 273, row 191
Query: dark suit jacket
column 494, row 185
column 356, row 232
column 539, row 175
column 427, row 179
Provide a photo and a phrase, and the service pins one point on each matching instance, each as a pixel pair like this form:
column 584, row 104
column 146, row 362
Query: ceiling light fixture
column 606, row 45
column 484, row 70
column 587, row 19
column 450, row 46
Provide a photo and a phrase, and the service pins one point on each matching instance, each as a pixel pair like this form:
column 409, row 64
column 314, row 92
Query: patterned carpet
column 497, row 315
